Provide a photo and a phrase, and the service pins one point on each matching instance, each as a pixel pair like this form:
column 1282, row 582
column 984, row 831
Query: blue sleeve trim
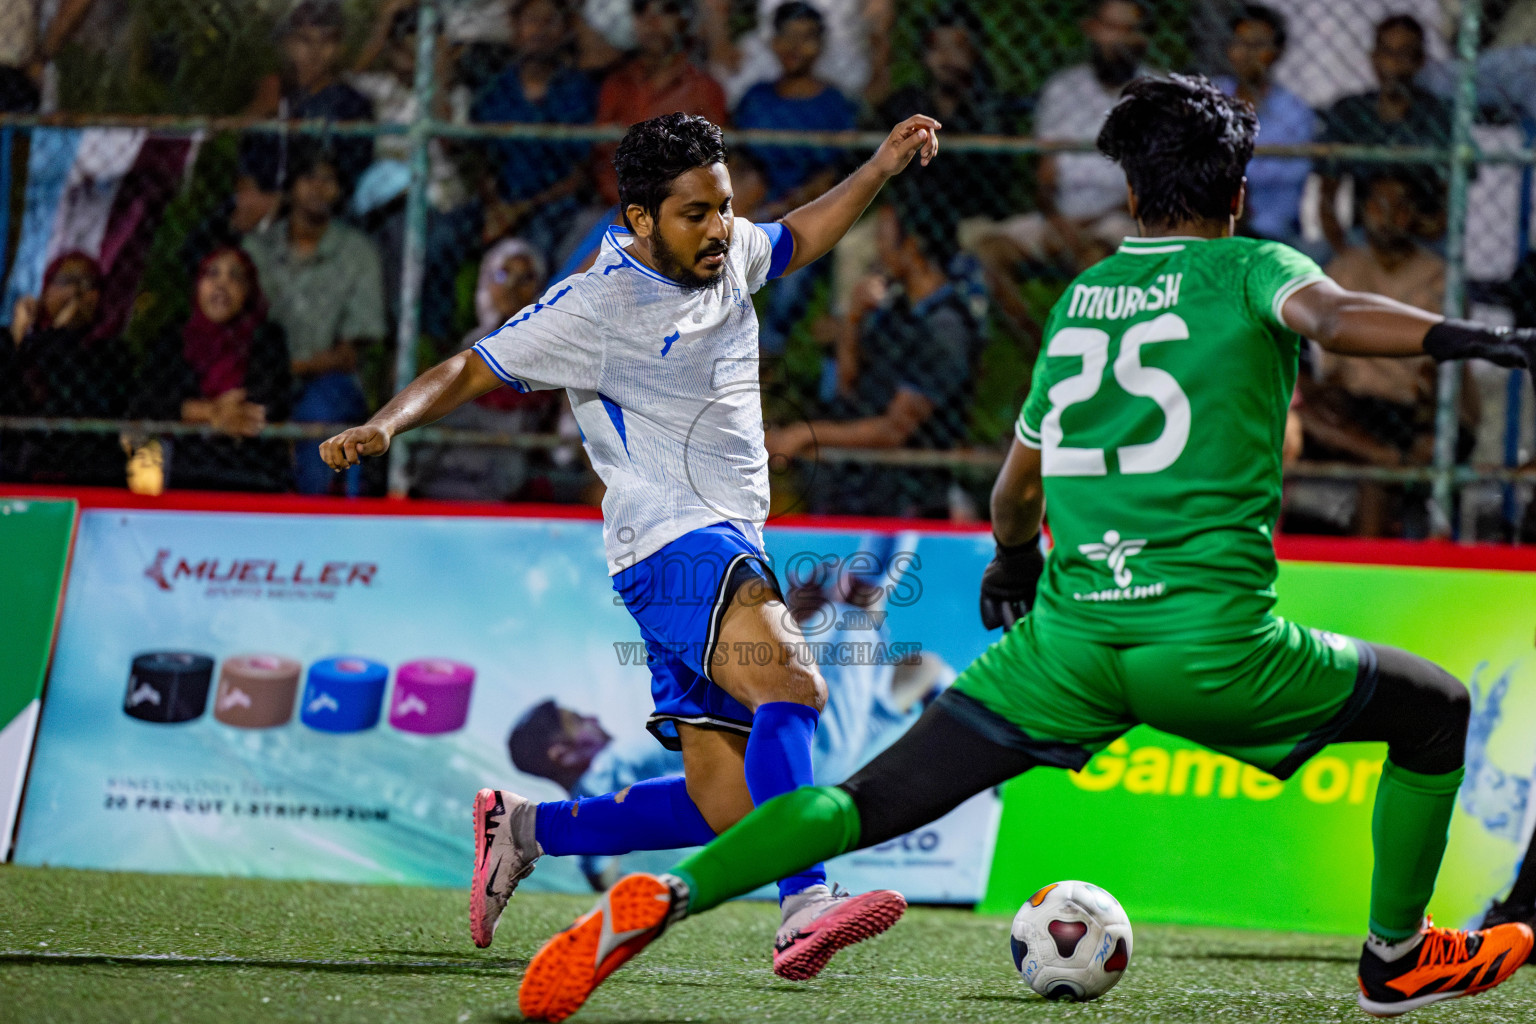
column 783, row 245
column 515, row 383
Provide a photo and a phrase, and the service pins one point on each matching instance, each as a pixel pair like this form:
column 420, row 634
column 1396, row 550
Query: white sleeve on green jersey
column 1027, row 427
column 1275, row 273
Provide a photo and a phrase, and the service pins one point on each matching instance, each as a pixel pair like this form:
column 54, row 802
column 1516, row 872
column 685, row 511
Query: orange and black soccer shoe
column 1446, row 964
column 629, row 917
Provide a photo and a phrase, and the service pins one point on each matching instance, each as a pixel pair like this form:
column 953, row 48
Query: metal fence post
column 414, row 251
column 1447, row 411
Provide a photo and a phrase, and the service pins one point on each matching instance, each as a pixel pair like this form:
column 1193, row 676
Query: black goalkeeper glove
column 1463, row 339
column 1008, row 586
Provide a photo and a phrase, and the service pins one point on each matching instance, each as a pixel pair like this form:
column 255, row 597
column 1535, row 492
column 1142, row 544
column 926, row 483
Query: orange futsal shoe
column 1446, row 963
column 628, row 918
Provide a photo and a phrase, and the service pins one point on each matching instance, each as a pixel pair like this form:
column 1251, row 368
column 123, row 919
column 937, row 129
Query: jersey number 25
column 1092, row 344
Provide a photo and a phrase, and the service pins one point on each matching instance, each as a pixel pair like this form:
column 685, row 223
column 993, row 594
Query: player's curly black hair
column 1183, row 144
column 653, row 153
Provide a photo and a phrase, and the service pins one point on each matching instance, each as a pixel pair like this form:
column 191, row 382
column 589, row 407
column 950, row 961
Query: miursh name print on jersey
column 1119, row 301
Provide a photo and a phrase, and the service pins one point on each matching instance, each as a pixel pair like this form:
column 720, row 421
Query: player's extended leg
column 1421, row 711
column 896, row 792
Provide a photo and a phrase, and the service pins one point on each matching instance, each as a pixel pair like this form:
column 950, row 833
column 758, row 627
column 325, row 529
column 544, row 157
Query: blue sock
column 656, row 814
column 779, row 760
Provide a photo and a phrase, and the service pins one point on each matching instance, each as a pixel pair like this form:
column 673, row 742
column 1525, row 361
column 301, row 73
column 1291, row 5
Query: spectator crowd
column 263, row 284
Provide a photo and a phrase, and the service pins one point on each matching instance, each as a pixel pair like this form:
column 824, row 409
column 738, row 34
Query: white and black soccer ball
column 1071, row 941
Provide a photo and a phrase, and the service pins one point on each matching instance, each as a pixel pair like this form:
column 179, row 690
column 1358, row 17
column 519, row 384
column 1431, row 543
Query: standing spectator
column 391, row 89
column 227, row 366
column 325, row 286
column 906, row 368
column 538, row 184
column 659, row 79
column 1396, row 113
column 1371, row 410
column 378, row 203
column 798, row 100
column 512, row 275
column 26, row 48
column 308, row 86
column 57, row 362
column 855, row 56
column 1275, row 184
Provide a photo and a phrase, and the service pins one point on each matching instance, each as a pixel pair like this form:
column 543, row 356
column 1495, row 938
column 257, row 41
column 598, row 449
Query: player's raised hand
column 348, row 447
column 918, row 135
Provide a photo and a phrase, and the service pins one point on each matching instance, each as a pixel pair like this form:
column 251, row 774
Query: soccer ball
column 1071, row 941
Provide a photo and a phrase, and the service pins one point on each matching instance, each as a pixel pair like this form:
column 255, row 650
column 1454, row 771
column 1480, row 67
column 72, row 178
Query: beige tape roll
column 256, row 691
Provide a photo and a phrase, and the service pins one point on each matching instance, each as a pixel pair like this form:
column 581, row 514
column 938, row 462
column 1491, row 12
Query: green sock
column 785, row 835
column 1409, row 829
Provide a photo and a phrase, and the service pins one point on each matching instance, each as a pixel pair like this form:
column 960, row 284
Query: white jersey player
column 657, row 347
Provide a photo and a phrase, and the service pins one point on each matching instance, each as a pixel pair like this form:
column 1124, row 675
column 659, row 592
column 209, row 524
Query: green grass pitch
column 88, row 946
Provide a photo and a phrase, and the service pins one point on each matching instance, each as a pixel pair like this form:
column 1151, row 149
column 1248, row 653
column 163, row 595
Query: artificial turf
column 98, row 947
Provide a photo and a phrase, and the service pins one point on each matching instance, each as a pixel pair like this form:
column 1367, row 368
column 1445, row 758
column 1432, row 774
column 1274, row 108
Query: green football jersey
column 1158, row 406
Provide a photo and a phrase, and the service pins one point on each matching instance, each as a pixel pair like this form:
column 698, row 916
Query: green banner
column 34, row 549
column 1180, row 834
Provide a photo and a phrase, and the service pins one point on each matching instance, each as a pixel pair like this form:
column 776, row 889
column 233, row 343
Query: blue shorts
column 679, row 595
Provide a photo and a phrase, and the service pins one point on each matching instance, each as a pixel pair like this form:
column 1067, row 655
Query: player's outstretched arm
column 820, row 224
column 1018, row 508
column 433, row 395
column 1364, row 324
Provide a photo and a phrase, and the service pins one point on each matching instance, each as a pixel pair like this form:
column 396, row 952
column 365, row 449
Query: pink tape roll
column 256, row 691
column 431, row 696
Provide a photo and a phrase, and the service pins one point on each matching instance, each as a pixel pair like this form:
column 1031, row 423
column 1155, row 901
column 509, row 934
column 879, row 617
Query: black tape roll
column 168, row 686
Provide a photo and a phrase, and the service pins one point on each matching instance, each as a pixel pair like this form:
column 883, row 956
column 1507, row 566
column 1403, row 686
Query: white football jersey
column 664, row 383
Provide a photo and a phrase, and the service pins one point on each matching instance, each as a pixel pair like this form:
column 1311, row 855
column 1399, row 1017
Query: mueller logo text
column 260, row 577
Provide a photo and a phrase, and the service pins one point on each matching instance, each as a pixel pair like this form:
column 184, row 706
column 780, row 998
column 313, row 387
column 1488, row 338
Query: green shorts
column 1272, row 699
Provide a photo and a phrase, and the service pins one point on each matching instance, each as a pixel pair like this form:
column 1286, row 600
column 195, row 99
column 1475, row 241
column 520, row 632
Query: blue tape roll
column 343, row 694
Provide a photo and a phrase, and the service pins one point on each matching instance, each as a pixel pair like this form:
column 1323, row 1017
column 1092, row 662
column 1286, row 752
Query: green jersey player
column 1153, row 433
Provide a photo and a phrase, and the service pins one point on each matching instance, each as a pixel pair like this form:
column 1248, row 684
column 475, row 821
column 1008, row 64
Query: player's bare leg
column 713, row 765
column 786, row 693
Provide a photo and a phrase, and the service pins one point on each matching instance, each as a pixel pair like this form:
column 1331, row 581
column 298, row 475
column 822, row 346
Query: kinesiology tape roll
column 431, row 696
column 256, row 691
column 168, row 686
column 343, row 695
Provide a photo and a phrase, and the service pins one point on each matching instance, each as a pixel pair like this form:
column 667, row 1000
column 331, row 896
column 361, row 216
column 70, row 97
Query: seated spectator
column 958, row 90
column 1082, row 215
column 854, row 58
column 57, row 362
column 906, row 373
column 325, row 286
column 227, row 367
column 1376, row 411
column 1397, row 113
column 308, row 86
column 798, row 100
column 539, row 185
column 658, row 79
column 1275, row 184
column 512, row 275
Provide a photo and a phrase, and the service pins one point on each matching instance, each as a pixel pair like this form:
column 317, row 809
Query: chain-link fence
column 234, row 224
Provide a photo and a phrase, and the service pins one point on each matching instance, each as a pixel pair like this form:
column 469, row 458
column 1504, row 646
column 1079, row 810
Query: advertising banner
column 308, row 696
column 34, row 548
column 1181, row 834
